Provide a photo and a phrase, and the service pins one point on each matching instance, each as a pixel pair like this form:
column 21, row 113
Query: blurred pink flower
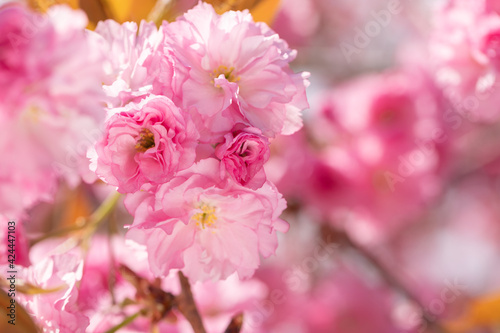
column 464, row 49
column 382, row 148
column 205, row 226
column 346, row 303
column 50, row 102
column 146, row 142
column 291, row 165
column 49, row 82
column 254, row 74
column 298, row 20
column 56, row 308
column 339, row 300
column 243, row 155
column 429, row 252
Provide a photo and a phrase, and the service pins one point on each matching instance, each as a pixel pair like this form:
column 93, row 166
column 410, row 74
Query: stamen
column 207, row 216
column 227, row 72
column 145, row 141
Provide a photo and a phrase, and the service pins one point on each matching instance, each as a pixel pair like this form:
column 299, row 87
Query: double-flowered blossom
column 146, row 142
column 133, row 60
column 50, row 95
column 206, row 226
column 211, row 89
column 229, row 66
column 243, row 155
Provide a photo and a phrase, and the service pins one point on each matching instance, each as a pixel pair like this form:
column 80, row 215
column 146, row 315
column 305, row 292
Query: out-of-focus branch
column 344, row 239
column 186, row 305
column 163, row 10
column 157, row 303
column 88, row 225
column 235, row 324
column 124, row 323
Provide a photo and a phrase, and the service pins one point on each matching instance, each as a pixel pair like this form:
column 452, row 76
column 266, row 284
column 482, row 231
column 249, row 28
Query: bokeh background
column 393, row 184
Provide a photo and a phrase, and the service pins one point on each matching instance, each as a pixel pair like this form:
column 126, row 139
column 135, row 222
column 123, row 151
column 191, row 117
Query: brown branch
column 235, row 324
column 343, row 238
column 157, row 302
column 163, row 10
column 186, row 305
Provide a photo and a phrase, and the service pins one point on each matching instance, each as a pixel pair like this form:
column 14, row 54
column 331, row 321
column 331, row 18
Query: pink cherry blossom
column 464, row 49
column 50, row 102
column 206, row 226
column 392, row 149
column 231, row 59
column 30, row 80
column 134, row 60
column 243, row 155
column 55, row 308
column 146, row 142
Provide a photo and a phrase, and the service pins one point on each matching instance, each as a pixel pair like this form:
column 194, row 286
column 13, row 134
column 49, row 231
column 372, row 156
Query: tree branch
column 186, row 305
column 235, row 324
column 343, row 238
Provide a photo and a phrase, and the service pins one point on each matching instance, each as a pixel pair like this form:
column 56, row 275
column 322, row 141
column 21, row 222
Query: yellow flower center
column 146, row 140
column 227, row 72
column 206, row 218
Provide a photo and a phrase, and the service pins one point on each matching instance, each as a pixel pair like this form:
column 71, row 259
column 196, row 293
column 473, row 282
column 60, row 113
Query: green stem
column 58, row 233
column 103, row 210
column 90, row 224
column 124, row 323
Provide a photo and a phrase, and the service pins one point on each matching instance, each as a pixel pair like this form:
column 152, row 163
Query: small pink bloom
column 243, row 155
column 55, row 309
column 134, row 60
column 206, row 226
column 146, row 142
column 254, row 74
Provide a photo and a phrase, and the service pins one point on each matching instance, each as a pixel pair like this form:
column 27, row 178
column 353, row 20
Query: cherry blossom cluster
column 192, row 109
column 178, row 118
column 148, row 168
